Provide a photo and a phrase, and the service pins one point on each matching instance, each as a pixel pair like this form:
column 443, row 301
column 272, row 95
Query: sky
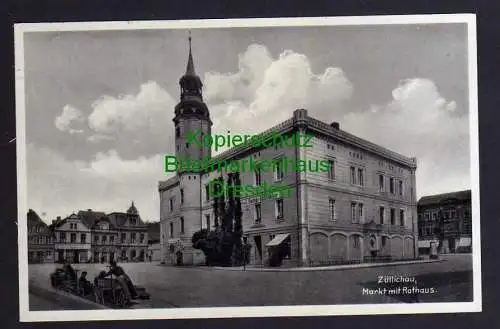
column 100, row 104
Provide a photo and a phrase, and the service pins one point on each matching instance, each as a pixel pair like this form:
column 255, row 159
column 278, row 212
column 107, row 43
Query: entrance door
column 258, row 244
column 111, row 256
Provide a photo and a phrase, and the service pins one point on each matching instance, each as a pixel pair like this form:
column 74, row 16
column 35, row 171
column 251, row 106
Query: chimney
column 335, row 125
column 53, row 222
column 58, row 218
column 89, row 209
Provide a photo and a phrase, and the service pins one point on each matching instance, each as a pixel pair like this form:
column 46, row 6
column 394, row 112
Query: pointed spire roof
column 190, row 63
column 132, row 209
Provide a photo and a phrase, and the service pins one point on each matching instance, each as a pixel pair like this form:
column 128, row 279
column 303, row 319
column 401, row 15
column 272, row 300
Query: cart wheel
column 121, row 298
column 98, row 298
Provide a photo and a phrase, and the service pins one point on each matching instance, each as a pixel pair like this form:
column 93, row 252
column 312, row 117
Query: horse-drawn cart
column 107, row 291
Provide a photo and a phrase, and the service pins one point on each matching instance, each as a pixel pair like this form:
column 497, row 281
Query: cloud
column 265, row 91
column 69, row 116
column 134, row 123
column 420, row 122
column 108, row 182
column 150, row 109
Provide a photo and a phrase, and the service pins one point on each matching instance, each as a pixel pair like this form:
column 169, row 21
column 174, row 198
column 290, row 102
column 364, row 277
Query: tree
column 223, row 246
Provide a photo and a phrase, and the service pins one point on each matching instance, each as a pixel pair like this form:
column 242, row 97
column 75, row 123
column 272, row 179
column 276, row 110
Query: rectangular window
column 401, row 188
column 123, row 237
column 207, row 221
column 333, row 215
column 391, row 185
column 360, row 177
column 104, row 239
column 171, row 230
column 177, row 131
column 83, row 238
column 112, row 239
column 258, row 214
column 353, row 212
column 171, row 204
column 62, row 237
column 141, row 238
column 279, row 209
column 96, row 239
column 207, row 192
column 132, row 237
column 73, row 238
column 356, row 241
column 182, row 225
column 331, row 169
column 353, row 175
column 393, row 216
column 258, row 177
column 381, row 183
column 182, row 196
column 279, row 171
column 360, row 212
column 434, row 216
column 402, row 217
column 381, row 215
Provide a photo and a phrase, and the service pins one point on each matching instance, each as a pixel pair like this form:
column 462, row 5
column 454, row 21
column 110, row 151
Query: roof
column 445, row 197
column 91, row 217
column 34, row 219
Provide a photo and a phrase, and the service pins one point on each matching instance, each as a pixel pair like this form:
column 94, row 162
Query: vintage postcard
column 248, row 168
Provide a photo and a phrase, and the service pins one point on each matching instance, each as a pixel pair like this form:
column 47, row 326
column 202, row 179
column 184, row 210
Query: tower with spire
column 191, row 114
column 184, row 204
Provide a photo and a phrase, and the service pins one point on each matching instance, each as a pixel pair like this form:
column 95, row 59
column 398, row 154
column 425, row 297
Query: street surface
column 451, row 281
column 48, row 300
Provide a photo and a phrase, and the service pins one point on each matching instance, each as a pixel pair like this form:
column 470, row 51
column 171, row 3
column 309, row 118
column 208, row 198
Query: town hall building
column 362, row 208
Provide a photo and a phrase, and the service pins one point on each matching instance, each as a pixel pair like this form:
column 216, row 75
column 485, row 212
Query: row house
column 93, row 236
column 40, row 240
column 451, row 213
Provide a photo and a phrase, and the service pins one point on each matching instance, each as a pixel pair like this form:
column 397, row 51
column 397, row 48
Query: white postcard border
column 261, row 311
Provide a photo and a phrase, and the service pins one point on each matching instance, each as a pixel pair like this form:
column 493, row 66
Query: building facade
column 93, row 236
column 451, row 213
column 72, row 239
column 40, row 240
column 363, row 207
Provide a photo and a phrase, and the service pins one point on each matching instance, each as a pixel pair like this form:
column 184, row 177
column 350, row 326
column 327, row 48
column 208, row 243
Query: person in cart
column 124, row 280
column 85, row 285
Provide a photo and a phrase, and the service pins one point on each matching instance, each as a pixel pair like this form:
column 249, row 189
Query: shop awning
column 278, row 239
column 464, row 242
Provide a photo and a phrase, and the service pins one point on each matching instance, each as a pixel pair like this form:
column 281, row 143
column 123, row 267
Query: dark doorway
column 258, row 244
column 60, row 256
column 111, row 256
column 75, row 256
column 451, row 244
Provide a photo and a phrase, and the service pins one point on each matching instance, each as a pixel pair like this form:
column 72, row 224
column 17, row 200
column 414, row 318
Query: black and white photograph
column 247, row 168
